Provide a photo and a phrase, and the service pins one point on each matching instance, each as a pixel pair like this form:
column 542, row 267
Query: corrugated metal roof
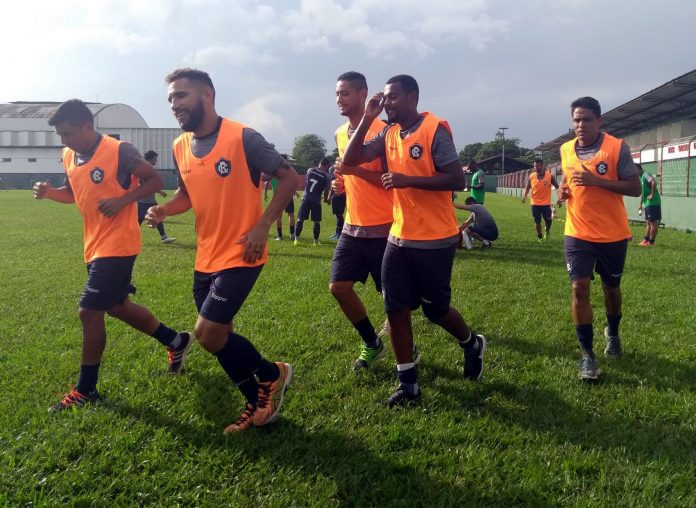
column 674, row 100
column 23, row 109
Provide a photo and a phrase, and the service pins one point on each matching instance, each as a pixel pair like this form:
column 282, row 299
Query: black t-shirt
column 315, row 184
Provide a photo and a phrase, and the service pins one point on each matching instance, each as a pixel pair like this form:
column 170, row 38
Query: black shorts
column 108, row 283
column 307, row 207
column 539, row 211
column 338, row 204
column 356, row 258
column 653, row 213
column 142, row 210
column 291, row 207
column 490, row 234
column 220, row 295
column 607, row 259
column 414, row 277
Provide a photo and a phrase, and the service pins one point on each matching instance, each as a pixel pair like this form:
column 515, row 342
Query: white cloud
column 258, row 114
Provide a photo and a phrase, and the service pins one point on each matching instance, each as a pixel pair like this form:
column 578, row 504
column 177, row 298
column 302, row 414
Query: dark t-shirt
column 316, row 183
column 128, row 159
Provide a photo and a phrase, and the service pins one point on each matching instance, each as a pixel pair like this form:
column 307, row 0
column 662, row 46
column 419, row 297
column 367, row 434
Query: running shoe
column 176, row 357
column 74, row 400
column 243, row 422
column 271, row 396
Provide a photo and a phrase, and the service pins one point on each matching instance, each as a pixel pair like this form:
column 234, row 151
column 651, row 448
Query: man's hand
column 337, row 186
column 395, row 181
column 110, row 207
column 584, row 178
column 40, row 189
column 342, row 169
column 563, row 192
column 155, row 215
column 649, row 197
column 255, row 243
column 375, row 105
column 524, row 198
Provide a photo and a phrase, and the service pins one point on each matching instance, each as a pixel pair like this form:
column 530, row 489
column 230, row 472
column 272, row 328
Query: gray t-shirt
column 626, row 167
column 482, row 217
column 260, row 155
column 128, row 159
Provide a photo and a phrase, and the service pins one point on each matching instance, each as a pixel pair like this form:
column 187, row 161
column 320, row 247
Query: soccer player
column 102, row 180
column 361, row 245
column 540, row 182
column 317, row 184
column 423, row 169
column 598, row 171
column 480, row 225
column 220, row 163
column 651, row 204
column 290, row 210
column 478, row 182
column 144, row 204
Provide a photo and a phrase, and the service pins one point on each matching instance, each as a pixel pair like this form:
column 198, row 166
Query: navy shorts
column 108, row 283
column 220, row 295
column 607, row 259
column 653, row 213
column 142, row 210
column 338, row 204
column 414, row 277
column 291, row 207
column 307, row 207
column 490, row 234
column 356, row 258
column 539, row 211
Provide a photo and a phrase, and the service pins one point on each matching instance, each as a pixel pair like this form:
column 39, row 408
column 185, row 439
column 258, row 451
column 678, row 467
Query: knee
column 340, row 289
column 581, row 290
column 212, row 338
column 435, row 314
column 89, row 316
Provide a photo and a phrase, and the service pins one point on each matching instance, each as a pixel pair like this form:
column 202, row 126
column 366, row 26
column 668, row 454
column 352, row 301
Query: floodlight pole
column 502, row 132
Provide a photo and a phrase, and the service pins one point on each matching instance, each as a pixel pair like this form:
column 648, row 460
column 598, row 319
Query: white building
column 30, row 149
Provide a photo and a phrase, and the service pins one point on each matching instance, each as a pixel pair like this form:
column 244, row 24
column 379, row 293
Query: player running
column 540, row 182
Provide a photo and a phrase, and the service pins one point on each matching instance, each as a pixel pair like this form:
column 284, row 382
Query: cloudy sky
column 481, row 64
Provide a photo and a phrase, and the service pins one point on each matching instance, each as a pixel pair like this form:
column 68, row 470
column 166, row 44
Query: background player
column 540, row 182
column 317, row 186
column 145, row 203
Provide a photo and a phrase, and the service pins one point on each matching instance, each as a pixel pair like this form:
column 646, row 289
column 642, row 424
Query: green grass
column 530, row 433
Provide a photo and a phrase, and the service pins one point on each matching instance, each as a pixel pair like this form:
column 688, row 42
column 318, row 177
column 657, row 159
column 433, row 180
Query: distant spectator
column 478, row 182
column 480, row 225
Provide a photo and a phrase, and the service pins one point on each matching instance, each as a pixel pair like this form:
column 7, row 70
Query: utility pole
column 502, row 132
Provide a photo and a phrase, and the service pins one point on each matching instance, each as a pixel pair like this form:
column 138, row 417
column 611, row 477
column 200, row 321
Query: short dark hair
column 190, row 74
column 472, row 162
column 588, row 103
column 150, row 154
column 470, row 201
column 356, row 79
column 408, row 83
column 540, row 161
column 324, row 162
column 74, row 111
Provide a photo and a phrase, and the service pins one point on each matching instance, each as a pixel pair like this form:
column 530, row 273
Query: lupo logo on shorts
column 97, row 175
column 416, row 152
column 223, row 167
column 602, row 168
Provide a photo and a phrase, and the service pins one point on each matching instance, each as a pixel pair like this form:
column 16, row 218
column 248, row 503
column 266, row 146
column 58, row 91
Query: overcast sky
column 481, row 64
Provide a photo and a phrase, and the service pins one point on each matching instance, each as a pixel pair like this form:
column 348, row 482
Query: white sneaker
column 467, row 241
column 168, row 239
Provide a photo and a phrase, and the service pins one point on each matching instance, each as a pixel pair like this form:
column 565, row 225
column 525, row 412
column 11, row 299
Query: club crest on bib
column 416, row 151
column 602, row 168
column 223, row 167
column 97, row 175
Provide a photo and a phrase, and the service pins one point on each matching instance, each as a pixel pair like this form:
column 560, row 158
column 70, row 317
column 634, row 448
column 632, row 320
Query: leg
column 279, row 227
column 348, row 300
column 136, row 316
column 316, row 231
column 93, row 336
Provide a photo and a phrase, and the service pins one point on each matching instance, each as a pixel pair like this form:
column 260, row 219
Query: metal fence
column 673, row 163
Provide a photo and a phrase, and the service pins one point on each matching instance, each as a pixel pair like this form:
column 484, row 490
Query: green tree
column 469, row 152
column 309, row 149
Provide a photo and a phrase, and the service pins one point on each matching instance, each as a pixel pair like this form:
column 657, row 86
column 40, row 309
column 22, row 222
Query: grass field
column 530, row 433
